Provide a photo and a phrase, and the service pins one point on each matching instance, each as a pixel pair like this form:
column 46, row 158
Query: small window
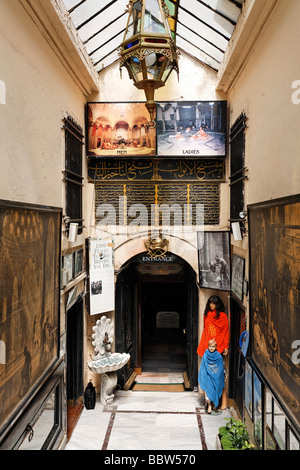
column 293, row 441
column 73, row 171
column 46, row 423
column 237, row 168
column 45, row 418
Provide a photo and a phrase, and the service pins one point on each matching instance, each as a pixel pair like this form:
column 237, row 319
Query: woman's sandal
column 216, row 412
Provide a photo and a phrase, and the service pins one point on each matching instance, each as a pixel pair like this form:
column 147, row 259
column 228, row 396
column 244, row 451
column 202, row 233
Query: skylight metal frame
column 202, row 28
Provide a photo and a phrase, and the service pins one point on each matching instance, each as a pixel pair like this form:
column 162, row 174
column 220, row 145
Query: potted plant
column 234, row 436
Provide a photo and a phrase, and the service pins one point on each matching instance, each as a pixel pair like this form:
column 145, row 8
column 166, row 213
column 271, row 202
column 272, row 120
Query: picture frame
column 214, row 260
column 78, row 262
column 68, row 266
column 257, row 410
column 248, row 390
column 119, row 129
column 191, row 128
column 101, row 275
column 237, row 276
column 274, row 238
column 30, row 284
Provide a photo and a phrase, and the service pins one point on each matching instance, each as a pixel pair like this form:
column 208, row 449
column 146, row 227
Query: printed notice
column 102, row 290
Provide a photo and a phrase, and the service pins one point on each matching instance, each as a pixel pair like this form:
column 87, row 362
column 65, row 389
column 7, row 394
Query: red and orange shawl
column 214, row 327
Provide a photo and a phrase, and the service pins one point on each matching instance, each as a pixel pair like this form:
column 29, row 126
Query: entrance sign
column 167, row 320
column 102, row 286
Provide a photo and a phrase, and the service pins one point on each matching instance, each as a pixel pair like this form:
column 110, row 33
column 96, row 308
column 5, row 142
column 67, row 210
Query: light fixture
column 148, row 49
column 236, row 231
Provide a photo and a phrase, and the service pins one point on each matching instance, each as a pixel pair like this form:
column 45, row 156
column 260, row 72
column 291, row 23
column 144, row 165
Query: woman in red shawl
column 215, row 327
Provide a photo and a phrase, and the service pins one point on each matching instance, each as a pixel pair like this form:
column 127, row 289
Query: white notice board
column 102, row 286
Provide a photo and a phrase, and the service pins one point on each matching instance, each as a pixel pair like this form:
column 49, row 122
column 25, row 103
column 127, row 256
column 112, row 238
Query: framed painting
column 214, row 260
column 30, row 296
column 274, row 236
column 119, row 129
column 237, row 276
column 191, row 128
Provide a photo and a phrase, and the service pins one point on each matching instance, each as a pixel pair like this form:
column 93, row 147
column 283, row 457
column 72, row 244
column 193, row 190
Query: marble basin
column 110, row 363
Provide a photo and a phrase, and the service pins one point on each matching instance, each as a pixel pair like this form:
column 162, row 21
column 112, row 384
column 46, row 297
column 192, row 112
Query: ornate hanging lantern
column 148, row 50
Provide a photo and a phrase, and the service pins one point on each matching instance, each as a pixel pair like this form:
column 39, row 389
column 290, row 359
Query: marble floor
column 145, row 420
column 159, row 377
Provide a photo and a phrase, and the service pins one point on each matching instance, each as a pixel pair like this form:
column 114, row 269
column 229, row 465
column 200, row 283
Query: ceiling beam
column 252, row 21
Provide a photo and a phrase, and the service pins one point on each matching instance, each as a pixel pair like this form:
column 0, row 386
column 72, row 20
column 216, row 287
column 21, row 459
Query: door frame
column 128, row 318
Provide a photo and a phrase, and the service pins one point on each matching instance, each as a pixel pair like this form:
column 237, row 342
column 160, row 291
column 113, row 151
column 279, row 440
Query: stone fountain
column 105, row 362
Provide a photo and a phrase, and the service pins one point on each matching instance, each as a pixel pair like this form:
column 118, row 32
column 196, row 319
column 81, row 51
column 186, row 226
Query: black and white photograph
column 214, row 260
column 237, row 276
column 191, row 128
column 78, row 262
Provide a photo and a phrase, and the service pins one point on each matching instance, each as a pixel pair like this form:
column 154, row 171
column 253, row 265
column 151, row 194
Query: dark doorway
column 164, row 310
column 74, row 365
column 75, row 353
column 236, row 359
column 157, row 317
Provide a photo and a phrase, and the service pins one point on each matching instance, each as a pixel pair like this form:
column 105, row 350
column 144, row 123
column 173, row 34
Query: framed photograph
column 78, row 262
column 237, row 276
column 68, row 266
column 214, row 260
column 191, row 128
column 257, row 409
column 248, row 390
column 119, row 129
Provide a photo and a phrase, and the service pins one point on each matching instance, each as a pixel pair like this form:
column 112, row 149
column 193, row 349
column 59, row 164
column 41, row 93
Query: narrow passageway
column 163, row 324
column 162, row 410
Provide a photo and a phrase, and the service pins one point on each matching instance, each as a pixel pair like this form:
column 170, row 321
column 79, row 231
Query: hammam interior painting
column 275, row 296
column 29, row 292
column 192, row 128
column 119, row 129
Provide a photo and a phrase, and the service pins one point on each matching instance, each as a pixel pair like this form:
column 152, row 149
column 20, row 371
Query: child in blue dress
column 211, row 375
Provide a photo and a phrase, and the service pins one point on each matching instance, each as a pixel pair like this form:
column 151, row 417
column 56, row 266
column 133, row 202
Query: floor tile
column 147, row 421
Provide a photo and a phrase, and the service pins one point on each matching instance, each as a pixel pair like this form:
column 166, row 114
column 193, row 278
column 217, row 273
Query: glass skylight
column 202, row 28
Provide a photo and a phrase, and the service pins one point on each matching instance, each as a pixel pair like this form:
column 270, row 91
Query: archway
column 156, row 317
